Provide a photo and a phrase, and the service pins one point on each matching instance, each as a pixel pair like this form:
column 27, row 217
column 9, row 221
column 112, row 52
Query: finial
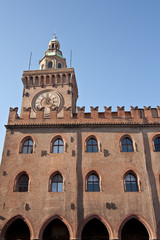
column 54, row 35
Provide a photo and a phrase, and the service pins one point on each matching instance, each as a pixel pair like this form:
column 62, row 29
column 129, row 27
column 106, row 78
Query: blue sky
column 115, row 49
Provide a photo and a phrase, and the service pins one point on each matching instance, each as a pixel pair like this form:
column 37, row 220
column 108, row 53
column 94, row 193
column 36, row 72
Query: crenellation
column 135, row 115
column 134, row 112
column 94, row 112
column 108, row 113
column 12, row 115
column 67, row 113
column 26, row 113
column 121, row 112
column 148, row 113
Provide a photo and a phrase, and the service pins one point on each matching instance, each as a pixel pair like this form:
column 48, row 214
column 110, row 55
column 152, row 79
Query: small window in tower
column 50, row 65
column 52, row 45
column 59, row 65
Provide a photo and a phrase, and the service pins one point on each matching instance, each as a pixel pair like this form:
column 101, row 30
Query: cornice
column 84, row 125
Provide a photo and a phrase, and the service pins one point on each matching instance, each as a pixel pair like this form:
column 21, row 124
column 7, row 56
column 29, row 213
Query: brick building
column 70, row 174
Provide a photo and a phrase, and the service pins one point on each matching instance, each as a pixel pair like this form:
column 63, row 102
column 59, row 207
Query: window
column 50, row 65
column 28, row 146
column 157, row 144
column 131, row 183
column 22, row 184
column 93, row 183
column 127, row 145
column 59, row 65
column 92, row 145
column 57, row 183
column 58, row 146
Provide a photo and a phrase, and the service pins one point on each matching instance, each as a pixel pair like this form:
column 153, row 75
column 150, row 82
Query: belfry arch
column 16, row 228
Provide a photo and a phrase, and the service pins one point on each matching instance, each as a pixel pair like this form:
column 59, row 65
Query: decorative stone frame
column 16, row 181
column 50, row 181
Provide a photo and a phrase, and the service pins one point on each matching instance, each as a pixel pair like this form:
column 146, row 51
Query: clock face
column 47, row 99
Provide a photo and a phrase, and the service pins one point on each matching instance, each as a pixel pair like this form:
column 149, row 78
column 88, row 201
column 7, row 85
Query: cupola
column 53, row 58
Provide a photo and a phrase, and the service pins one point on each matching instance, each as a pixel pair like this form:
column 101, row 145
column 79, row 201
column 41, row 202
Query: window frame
column 23, row 141
column 53, row 175
column 121, row 145
column 92, row 145
column 137, row 182
column 16, row 184
column 154, row 138
column 99, row 182
column 52, row 144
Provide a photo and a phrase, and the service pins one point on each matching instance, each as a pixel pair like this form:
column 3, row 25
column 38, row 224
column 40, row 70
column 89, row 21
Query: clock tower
column 52, row 87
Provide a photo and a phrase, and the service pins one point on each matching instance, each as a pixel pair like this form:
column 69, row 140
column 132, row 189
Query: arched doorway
column 56, row 230
column 17, row 230
column 134, row 229
column 94, row 229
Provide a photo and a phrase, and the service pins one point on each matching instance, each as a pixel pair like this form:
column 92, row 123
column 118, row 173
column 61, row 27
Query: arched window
column 50, row 65
column 58, row 146
column 57, row 183
column 27, row 146
column 131, row 183
column 127, row 145
column 157, row 144
column 93, row 183
column 22, row 183
column 92, row 145
column 59, row 65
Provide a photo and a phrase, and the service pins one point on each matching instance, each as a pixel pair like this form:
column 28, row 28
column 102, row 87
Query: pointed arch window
column 27, row 146
column 131, row 183
column 127, row 145
column 58, row 146
column 92, row 145
column 93, row 183
column 22, row 183
column 57, row 183
column 157, row 144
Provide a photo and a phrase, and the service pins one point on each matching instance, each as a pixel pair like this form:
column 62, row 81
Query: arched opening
column 56, row 230
column 94, row 229
column 134, row 229
column 18, row 230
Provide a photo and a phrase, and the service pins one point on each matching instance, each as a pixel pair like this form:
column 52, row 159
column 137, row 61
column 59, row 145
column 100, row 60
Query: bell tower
column 54, row 86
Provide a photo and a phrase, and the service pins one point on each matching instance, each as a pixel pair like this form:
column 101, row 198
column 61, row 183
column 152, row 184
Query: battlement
column 135, row 115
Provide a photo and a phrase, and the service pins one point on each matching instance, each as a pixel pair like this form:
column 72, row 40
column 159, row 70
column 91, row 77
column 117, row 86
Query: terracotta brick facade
column 75, row 206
